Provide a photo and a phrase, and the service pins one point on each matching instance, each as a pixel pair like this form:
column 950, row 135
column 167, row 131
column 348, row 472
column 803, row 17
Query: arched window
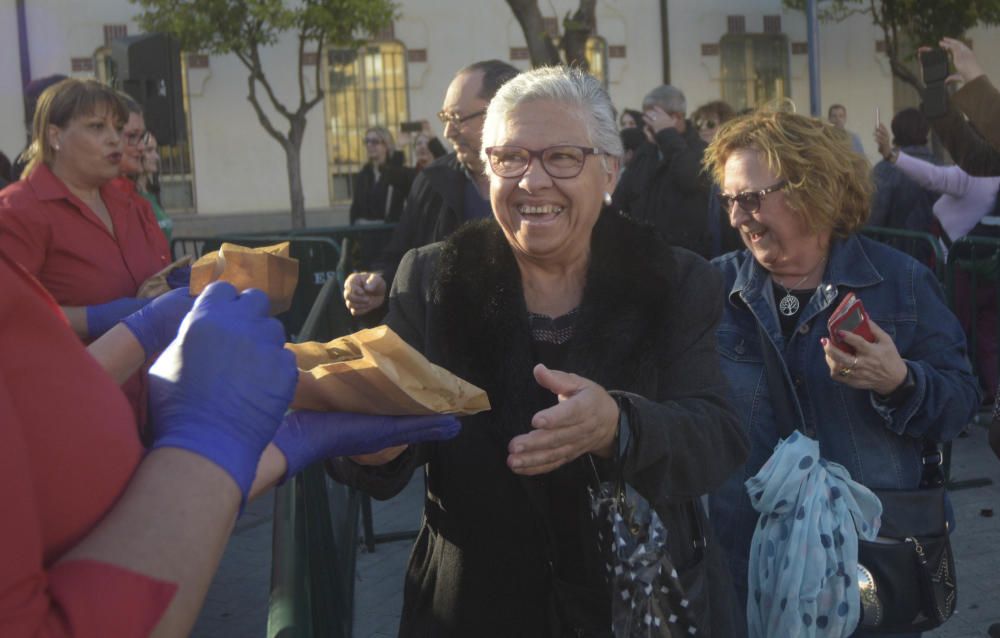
column 364, row 87
column 597, row 58
column 754, row 68
column 104, row 70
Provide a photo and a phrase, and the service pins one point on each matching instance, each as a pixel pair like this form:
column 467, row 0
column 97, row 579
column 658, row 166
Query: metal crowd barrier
column 980, row 269
column 315, row 534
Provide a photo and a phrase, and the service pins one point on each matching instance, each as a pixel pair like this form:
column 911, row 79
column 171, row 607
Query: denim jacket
column 881, row 447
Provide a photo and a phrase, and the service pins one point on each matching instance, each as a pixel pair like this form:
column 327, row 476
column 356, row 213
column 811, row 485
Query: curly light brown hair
column 829, row 184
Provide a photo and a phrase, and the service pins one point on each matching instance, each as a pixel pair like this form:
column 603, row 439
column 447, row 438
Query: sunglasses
column 749, row 201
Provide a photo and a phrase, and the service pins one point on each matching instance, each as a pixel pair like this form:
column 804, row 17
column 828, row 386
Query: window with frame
column 755, row 68
column 363, row 87
column 176, row 176
column 596, row 53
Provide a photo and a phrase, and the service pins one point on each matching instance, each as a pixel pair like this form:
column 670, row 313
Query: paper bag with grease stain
column 157, row 284
column 268, row 268
column 375, row 372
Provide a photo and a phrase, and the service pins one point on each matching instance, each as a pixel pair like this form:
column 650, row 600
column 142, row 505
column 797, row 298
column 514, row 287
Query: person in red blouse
column 102, row 538
column 90, row 244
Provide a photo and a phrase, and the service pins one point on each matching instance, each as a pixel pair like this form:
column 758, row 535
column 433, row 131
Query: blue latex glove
column 103, row 317
column 179, row 277
column 155, row 324
column 220, row 389
column 306, row 437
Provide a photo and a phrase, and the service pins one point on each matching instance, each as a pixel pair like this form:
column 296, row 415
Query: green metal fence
column 978, row 266
column 315, row 534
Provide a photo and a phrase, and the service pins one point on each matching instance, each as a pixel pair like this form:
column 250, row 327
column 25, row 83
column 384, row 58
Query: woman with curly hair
column 797, row 194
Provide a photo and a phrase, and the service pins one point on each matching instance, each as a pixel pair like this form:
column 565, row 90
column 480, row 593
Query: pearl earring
column 607, row 198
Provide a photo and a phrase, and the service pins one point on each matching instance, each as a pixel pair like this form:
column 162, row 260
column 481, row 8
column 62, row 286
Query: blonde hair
column 829, row 184
column 59, row 104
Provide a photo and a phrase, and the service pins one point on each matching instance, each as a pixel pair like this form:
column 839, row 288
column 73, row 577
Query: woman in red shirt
column 91, row 245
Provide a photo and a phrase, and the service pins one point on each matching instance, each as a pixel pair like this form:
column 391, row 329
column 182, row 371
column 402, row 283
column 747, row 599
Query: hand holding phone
column 934, row 69
column 849, row 316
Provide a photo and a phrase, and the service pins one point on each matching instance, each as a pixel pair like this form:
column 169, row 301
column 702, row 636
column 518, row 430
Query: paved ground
column 237, row 603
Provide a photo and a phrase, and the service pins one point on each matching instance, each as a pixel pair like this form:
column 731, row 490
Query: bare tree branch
column 301, row 73
column 540, row 46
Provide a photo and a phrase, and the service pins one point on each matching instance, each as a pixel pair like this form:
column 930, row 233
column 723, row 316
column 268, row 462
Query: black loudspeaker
column 148, row 67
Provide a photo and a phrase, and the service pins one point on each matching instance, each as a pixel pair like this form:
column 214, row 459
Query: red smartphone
column 850, row 316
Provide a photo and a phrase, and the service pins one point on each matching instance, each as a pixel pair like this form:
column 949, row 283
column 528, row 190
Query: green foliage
column 908, row 24
column 239, row 26
column 921, row 21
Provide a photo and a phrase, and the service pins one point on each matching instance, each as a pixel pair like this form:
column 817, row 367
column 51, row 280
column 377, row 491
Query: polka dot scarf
column 804, row 554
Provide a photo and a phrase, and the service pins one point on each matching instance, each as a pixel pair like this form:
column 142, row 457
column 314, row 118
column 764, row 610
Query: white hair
column 669, row 98
column 566, row 85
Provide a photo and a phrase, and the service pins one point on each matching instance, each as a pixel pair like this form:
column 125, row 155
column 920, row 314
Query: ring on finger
column 844, row 372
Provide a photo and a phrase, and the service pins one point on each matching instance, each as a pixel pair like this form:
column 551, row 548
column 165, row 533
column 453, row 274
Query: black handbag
column 906, row 577
column 908, row 583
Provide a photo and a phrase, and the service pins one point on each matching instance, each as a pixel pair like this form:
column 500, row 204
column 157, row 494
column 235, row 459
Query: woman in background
column 89, row 243
column 381, row 186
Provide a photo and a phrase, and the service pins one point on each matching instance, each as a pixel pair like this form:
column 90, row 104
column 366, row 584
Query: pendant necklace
column 789, row 304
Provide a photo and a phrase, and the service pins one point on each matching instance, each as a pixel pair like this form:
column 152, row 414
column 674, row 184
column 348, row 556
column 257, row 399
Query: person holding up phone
column 969, row 121
column 798, row 195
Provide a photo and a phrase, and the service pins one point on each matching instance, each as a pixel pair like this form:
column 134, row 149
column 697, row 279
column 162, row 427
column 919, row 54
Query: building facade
column 743, row 51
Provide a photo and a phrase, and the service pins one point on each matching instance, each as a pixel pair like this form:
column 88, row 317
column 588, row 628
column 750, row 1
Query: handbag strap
column 781, row 400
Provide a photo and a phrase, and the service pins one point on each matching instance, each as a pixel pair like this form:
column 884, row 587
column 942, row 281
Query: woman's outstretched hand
column 584, row 421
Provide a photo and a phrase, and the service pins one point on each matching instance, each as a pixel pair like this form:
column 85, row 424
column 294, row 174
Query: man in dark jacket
column 898, row 201
column 667, row 187
column 449, row 192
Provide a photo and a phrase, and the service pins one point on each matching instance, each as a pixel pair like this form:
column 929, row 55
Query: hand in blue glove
column 155, row 324
column 103, row 317
column 220, row 389
column 179, row 277
column 306, row 437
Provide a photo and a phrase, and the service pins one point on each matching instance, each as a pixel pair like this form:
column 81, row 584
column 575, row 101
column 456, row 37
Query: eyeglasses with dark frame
column 457, row 120
column 564, row 161
column 373, row 140
column 749, row 201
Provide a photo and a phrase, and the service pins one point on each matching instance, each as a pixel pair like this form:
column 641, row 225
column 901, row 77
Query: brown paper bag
column 156, row 285
column 268, row 268
column 375, row 372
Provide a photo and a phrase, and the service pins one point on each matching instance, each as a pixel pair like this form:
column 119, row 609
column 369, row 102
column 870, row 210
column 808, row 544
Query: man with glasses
column 449, row 192
column 664, row 185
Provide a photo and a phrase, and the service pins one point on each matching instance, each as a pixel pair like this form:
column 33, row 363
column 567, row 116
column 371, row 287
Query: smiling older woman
column 798, row 194
column 568, row 315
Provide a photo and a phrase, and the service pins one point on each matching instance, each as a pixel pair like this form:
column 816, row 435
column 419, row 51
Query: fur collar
column 485, row 333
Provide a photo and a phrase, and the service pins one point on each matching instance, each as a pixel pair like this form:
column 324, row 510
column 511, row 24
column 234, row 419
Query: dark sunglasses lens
column 749, row 202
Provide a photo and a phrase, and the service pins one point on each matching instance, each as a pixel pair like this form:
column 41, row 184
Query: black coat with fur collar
column 483, row 564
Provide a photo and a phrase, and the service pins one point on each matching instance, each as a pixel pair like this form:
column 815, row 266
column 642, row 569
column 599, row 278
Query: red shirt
column 68, row 448
column 59, row 240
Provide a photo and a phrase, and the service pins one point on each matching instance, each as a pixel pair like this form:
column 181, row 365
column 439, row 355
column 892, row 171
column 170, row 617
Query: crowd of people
column 629, row 289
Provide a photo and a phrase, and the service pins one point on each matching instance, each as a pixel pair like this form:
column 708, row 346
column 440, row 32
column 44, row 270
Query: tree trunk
column 293, row 158
column 540, row 47
column 576, row 30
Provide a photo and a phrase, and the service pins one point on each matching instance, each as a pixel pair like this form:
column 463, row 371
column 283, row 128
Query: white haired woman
column 570, row 316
